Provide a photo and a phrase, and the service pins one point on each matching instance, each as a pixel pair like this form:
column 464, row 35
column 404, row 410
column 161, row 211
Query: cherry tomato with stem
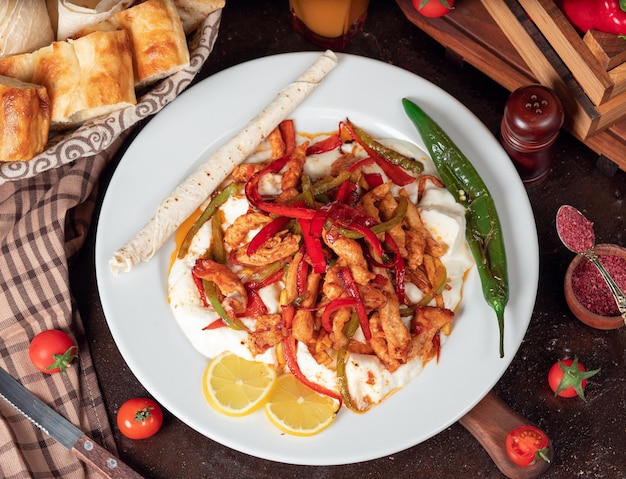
column 433, row 8
column 139, row 418
column 52, row 351
column 568, row 378
column 525, row 445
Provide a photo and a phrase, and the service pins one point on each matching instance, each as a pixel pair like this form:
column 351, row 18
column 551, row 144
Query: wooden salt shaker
column 533, row 116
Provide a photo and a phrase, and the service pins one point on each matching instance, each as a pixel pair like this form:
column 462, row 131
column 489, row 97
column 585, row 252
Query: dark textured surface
column 588, row 437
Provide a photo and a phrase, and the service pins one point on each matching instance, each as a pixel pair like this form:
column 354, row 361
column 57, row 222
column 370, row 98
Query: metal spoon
column 589, row 253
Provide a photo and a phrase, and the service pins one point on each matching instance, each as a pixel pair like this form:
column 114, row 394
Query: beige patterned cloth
column 46, row 208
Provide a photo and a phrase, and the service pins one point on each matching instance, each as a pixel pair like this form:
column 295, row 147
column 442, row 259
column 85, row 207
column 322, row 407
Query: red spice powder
column 591, row 289
column 575, row 231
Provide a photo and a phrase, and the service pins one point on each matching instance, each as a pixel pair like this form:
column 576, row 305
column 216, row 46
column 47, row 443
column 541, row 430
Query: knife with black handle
column 63, row 431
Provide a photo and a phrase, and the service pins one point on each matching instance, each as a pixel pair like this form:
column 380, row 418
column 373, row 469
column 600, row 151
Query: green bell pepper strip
column 483, row 230
column 213, row 205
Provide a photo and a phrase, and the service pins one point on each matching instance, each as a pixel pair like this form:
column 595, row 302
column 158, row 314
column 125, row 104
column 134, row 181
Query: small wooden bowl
column 581, row 312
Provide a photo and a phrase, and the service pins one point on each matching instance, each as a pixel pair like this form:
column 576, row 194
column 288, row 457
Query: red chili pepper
column 289, row 348
column 255, row 199
column 288, row 133
column 353, row 291
column 267, row 232
column 333, row 306
column 327, row 144
column 607, row 16
column 313, row 245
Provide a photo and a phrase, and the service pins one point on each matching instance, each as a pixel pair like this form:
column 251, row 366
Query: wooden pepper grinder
column 533, row 116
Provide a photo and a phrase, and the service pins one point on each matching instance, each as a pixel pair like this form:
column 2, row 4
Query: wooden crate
column 583, row 70
column 470, row 34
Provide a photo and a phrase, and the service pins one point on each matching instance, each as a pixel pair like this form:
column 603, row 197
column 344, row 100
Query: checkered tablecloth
column 45, row 214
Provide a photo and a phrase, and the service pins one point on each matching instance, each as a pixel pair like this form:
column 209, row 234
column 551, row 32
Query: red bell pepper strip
column 313, row 245
column 327, row 144
column 394, row 172
column 370, row 144
column 373, row 179
column 271, row 277
column 255, row 306
column 398, row 263
column 361, row 163
column 218, row 323
column 347, row 193
column 288, row 134
column 254, row 197
column 200, row 287
column 353, row 291
column 333, row 306
column 289, row 349
column 267, row 232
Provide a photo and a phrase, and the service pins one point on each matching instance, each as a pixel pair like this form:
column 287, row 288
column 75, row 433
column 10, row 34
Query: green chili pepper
column 213, row 205
column 483, row 230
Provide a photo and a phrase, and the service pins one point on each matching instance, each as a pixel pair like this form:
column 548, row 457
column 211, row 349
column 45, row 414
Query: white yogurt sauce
column 368, row 381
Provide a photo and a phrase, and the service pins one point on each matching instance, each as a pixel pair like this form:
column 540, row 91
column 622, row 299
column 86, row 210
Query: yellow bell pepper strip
column 483, row 231
column 267, row 232
column 353, row 291
column 213, row 205
column 289, row 350
column 255, row 199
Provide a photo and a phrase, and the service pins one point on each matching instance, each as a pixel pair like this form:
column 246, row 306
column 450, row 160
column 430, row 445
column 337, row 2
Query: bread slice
column 158, row 41
column 87, row 77
column 25, row 119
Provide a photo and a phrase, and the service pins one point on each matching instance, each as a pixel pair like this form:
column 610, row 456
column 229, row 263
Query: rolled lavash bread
column 24, row 26
column 198, row 186
column 24, row 119
column 193, row 12
column 73, row 15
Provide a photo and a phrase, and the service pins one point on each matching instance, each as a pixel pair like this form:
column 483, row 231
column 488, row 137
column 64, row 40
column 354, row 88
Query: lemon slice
column 297, row 409
column 235, row 386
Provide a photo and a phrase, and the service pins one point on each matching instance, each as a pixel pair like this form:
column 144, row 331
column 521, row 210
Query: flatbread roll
column 193, row 12
column 74, row 15
column 25, row 119
column 158, row 41
column 197, row 187
column 24, row 26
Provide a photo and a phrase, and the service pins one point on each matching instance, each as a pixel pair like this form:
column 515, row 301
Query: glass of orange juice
column 328, row 23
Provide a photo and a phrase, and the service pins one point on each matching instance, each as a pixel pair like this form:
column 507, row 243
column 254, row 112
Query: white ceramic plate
column 198, row 122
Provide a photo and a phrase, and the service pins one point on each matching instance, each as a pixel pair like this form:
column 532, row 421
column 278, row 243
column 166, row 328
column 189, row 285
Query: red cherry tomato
column 139, row 418
column 568, row 378
column 52, row 351
column 433, row 8
column 527, row 444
